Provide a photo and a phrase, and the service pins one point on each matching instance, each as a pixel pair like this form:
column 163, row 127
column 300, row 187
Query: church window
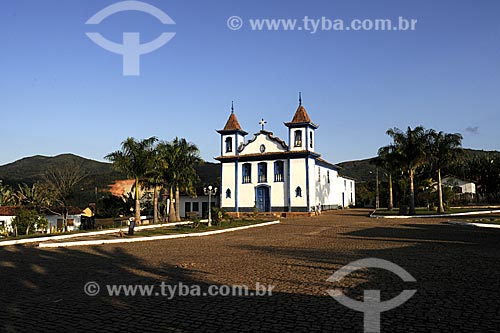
column 262, row 168
column 311, row 139
column 229, row 145
column 247, row 173
column 298, row 192
column 228, row 193
column 328, row 176
column 298, row 138
column 319, row 174
column 279, row 171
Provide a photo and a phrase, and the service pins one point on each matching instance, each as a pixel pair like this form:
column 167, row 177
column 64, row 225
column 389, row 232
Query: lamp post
column 210, row 191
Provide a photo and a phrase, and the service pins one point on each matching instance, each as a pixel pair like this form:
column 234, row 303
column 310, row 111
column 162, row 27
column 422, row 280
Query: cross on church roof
column 262, row 123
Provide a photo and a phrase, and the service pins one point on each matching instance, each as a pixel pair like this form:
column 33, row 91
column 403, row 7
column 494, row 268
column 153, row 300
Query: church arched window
column 298, row 192
column 228, row 193
column 298, row 138
column 262, row 171
column 279, row 171
column 247, row 173
column 311, row 139
column 229, row 145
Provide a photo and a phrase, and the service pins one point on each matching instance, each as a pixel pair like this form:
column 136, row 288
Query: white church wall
column 228, row 172
column 246, row 192
column 326, row 188
column 298, row 179
column 313, row 178
column 347, row 192
column 262, row 139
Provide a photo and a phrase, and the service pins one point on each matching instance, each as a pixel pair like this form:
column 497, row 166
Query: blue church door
column 262, row 198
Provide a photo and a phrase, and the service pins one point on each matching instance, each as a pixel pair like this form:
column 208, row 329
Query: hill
column 361, row 170
column 100, row 174
column 31, row 169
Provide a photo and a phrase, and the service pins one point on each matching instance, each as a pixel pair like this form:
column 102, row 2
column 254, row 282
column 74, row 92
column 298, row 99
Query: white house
column 7, row 214
column 197, row 206
column 466, row 187
column 271, row 175
column 73, row 221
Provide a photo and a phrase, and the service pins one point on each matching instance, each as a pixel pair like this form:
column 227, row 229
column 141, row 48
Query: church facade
column 268, row 174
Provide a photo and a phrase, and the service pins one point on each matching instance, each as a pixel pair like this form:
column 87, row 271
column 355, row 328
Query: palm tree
column 168, row 155
column 187, row 176
column 154, row 180
column 444, row 147
column 413, row 148
column 390, row 161
column 134, row 159
column 180, row 156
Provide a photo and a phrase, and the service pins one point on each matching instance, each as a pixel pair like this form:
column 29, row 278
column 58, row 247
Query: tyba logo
column 371, row 306
column 131, row 49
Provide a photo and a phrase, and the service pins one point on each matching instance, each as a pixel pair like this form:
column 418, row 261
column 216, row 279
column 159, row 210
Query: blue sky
column 63, row 93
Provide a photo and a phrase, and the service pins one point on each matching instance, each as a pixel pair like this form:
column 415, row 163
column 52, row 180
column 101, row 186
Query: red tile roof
column 8, row 210
column 232, row 123
column 301, row 116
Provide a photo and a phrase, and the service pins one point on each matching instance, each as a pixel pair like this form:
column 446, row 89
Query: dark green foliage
column 218, row 215
column 27, row 221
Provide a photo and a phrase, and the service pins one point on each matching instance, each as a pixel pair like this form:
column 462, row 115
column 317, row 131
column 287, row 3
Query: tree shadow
column 456, row 272
column 43, row 290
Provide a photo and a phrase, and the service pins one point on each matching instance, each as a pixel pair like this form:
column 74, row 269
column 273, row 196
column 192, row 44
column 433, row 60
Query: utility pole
column 377, row 197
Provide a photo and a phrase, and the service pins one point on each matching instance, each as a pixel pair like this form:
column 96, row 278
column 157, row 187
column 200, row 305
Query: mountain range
column 100, row 174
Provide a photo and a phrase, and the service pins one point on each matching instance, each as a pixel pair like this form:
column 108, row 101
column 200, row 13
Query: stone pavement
column 457, row 271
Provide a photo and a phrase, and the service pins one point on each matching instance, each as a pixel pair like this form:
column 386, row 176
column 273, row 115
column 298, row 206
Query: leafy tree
column 35, row 197
column 61, row 183
column 445, row 147
column 134, row 159
column 7, row 196
column 28, row 220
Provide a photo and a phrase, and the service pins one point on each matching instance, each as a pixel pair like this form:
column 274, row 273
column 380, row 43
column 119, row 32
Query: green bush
column 218, row 215
column 28, row 221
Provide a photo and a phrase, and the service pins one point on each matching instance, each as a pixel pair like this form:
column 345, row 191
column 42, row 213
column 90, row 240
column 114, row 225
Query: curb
column 83, row 234
column 473, row 224
column 152, row 238
column 433, row 216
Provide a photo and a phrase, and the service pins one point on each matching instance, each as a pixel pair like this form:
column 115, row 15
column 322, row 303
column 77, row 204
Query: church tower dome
column 301, row 130
column 232, row 136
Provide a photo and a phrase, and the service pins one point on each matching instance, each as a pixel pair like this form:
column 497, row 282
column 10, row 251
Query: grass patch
column 39, row 235
column 178, row 229
column 485, row 220
column 189, row 228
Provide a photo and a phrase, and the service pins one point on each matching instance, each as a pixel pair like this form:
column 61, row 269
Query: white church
column 271, row 175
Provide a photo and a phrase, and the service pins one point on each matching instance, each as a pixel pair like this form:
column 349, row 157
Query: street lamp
column 210, row 191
